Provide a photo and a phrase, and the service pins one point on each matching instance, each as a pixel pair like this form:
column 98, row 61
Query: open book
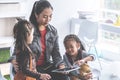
column 66, row 70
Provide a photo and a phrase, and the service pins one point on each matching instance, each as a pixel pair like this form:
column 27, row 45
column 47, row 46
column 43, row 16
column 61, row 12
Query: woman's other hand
column 61, row 66
column 45, row 77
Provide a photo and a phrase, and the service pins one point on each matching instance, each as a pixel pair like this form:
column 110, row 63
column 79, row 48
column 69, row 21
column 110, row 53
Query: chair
column 11, row 66
column 88, row 34
column 1, row 76
column 87, row 31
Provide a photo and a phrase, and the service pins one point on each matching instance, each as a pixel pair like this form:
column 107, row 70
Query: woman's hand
column 45, row 77
column 15, row 64
column 61, row 66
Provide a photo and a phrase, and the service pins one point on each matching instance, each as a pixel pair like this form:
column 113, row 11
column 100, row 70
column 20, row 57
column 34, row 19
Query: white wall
column 64, row 10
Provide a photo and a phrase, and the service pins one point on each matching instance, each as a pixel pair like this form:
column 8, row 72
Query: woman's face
column 72, row 47
column 44, row 17
column 30, row 37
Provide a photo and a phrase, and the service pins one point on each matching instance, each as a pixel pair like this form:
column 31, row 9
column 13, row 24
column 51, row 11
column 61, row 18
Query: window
column 110, row 10
column 110, row 17
column 112, row 4
column 110, row 13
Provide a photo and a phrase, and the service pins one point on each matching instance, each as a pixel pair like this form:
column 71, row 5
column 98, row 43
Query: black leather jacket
column 52, row 53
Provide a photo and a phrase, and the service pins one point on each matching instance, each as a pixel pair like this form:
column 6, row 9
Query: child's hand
column 79, row 62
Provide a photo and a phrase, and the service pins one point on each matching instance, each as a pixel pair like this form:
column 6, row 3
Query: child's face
column 30, row 37
column 72, row 47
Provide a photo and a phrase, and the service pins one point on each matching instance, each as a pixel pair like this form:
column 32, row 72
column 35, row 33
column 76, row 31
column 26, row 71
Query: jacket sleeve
column 56, row 56
column 85, row 54
column 23, row 61
column 67, row 63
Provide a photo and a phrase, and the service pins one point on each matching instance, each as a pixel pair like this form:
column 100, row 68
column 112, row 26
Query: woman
column 45, row 43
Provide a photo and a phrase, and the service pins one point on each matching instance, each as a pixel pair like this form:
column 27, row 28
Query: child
column 23, row 34
column 76, row 55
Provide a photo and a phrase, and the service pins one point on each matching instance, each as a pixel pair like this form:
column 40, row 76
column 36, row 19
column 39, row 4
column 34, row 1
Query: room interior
column 69, row 19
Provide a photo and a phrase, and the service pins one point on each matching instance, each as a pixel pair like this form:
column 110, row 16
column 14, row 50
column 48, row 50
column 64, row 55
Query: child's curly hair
column 73, row 37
